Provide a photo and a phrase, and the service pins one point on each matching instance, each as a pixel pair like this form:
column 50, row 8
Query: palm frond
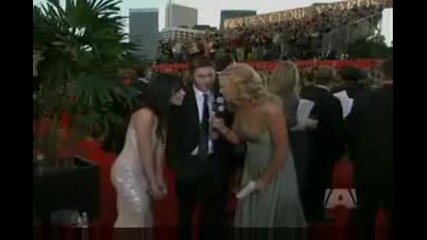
column 104, row 6
column 85, row 59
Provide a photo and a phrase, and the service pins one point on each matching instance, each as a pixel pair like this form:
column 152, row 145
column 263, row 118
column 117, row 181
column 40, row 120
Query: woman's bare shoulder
column 143, row 115
column 272, row 107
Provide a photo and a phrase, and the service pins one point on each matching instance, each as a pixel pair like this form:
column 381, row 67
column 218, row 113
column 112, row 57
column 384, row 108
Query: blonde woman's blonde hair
column 249, row 84
column 265, row 78
column 285, row 79
column 250, row 88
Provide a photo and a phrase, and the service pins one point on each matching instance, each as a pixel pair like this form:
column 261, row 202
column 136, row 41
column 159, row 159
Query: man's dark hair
column 199, row 62
column 323, row 75
column 351, row 74
column 222, row 62
column 388, row 68
column 309, row 75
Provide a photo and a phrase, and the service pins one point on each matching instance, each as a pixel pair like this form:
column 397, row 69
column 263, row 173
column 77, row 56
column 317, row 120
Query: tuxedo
column 199, row 180
column 352, row 88
column 370, row 142
column 326, row 146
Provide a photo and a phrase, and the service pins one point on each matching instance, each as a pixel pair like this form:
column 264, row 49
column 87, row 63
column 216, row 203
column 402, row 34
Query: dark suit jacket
column 291, row 107
column 327, row 141
column 370, row 136
column 183, row 137
column 353, row 89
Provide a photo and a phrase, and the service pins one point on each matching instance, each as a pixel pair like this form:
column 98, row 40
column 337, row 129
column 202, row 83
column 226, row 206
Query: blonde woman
column 285, row 83
column 261, row 122
column 265, row 78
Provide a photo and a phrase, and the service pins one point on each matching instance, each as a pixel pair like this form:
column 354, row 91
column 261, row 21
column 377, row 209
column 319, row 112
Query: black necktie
column 204, row 130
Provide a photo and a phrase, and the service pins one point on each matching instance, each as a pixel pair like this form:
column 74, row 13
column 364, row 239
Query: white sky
column 209, row 10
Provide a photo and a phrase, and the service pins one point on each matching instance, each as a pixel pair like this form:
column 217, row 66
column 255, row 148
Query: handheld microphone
column 219, row 107
column 218, row 110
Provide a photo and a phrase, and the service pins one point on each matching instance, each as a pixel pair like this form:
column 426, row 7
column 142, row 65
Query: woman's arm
column 160, row 158
column 230, row 134
column 276, row 122
column 144, row 123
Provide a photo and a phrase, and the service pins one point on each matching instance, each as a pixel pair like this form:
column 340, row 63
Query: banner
column 299, row 13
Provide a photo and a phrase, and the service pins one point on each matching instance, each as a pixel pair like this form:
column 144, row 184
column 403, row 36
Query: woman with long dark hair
column 137, row 172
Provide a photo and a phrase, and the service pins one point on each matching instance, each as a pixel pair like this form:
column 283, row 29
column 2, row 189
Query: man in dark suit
column 198, row 155
column 326, row 143
column 352, row 85
column 370, row 140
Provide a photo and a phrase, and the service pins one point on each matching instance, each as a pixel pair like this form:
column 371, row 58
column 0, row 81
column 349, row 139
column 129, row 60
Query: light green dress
column 279, row 206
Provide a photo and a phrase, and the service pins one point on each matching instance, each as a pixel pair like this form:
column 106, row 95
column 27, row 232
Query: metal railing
column 340, row 38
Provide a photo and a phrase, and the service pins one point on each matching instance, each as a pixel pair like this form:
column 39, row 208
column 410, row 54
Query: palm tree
column 84, row 61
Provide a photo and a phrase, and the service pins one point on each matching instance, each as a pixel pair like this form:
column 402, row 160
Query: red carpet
column 166, row 211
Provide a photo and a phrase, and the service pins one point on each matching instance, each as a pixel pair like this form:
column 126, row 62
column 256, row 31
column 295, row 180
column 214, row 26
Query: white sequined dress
column 134, row 205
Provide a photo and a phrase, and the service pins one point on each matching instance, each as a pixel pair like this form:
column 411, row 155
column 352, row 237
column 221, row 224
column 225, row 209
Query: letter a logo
column 340, row 197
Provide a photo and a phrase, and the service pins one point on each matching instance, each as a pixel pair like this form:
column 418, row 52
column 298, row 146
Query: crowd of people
column 295, row 39
column 286, row 161
column 369, row 78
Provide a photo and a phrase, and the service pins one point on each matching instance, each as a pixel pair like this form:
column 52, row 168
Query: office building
column 229, row 14
column 176, row 33
column 180, row 16
column 144, row 31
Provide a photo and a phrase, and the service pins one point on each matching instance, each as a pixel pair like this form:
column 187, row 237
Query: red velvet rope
column 270, row 66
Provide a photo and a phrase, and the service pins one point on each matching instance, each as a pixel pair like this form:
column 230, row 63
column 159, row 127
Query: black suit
column 370, row 139
column 352, row 88
column 197, row 180
column 326, row 146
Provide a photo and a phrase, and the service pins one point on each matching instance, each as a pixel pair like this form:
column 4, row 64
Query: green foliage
column 85, row 61
column 370, row 48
